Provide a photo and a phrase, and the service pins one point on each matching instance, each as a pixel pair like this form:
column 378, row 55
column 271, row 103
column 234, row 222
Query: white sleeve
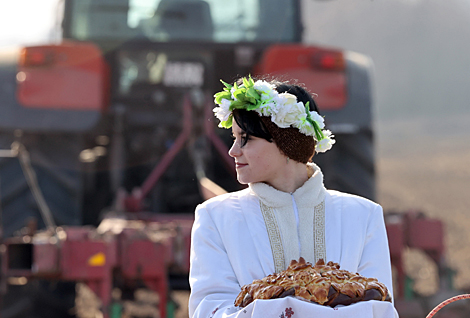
column 375, row 259
column 214, row 285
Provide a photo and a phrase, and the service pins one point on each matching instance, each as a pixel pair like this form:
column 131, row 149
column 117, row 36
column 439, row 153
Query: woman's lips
column 240, row 165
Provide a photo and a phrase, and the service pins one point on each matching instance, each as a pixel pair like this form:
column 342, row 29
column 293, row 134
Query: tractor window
column 184, row 20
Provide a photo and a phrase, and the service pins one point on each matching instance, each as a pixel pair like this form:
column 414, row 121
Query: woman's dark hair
column 250, row 122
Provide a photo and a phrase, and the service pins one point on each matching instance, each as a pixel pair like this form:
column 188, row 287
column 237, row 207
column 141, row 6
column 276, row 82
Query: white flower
column 289, row 112
column 267, row 109
column 232, row 90
column 326, row 143
column 268, row 96
column 285, row 99
column 266, row 90
column 306, row 128
column 319, row 119
column 263, row 86
column 223, row 111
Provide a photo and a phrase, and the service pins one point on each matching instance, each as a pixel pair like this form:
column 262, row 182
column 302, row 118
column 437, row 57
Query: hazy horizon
column 420, row 50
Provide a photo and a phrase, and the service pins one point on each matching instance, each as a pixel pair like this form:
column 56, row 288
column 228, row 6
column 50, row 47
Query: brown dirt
column 425, row 165
column 87, row 305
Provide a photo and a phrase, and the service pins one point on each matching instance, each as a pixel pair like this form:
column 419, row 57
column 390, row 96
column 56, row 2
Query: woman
column 285, row 213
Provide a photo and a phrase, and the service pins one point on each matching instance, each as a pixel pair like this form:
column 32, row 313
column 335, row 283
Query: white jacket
column 230, row 247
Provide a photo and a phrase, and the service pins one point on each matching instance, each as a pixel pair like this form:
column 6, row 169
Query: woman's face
column 258, row 160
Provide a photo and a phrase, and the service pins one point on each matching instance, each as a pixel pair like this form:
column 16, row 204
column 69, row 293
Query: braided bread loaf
column 324, row 284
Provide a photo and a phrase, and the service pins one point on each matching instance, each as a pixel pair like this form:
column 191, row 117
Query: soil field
column 425, row 165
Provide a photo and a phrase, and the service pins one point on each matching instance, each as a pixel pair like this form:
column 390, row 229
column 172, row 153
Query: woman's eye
column 242, row 139
column 245, row 139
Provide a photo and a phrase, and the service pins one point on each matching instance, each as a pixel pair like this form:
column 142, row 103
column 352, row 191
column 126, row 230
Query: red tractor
column 117, row 117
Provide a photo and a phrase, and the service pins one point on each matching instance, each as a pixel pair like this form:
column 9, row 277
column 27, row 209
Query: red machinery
column 414, row 230
column 118, row 249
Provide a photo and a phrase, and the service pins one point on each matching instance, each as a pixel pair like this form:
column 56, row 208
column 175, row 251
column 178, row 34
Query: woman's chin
column 242, row 180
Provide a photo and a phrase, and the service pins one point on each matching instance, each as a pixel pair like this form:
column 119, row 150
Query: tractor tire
column 350, row 165
column 55, row 161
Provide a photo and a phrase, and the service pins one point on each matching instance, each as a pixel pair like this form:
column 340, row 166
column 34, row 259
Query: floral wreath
column 283, row 108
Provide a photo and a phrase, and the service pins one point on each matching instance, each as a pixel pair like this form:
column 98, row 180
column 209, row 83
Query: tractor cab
column 217, row 21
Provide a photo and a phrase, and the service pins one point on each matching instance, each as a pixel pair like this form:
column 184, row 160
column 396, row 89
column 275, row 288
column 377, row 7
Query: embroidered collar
column 311, row 193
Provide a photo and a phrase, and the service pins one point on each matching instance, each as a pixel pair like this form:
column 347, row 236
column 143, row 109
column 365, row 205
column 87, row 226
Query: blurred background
column 420, row 50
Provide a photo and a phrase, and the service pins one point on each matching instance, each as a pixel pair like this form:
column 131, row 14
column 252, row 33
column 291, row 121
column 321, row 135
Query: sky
column 420, row 50
column 26, row 21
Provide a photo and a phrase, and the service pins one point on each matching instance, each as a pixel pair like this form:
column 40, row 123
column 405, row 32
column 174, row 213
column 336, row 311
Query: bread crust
column 324, row 284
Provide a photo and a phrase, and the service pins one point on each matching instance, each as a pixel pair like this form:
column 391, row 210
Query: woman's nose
column 235, row 150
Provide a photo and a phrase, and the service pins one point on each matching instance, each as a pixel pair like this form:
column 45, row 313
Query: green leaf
column 318, row 132
column 240, row 93
column 251, row 92
column 250, row 100
column 252, row 106
column 309, row 118
column 307, row 108
column 238, row 104
column 221, row 95
column 228, row 86
column 246, row 83
column 226, row 124
column 251, row 81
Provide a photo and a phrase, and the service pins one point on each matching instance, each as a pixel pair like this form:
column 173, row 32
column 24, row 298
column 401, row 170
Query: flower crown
column 283, row 108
